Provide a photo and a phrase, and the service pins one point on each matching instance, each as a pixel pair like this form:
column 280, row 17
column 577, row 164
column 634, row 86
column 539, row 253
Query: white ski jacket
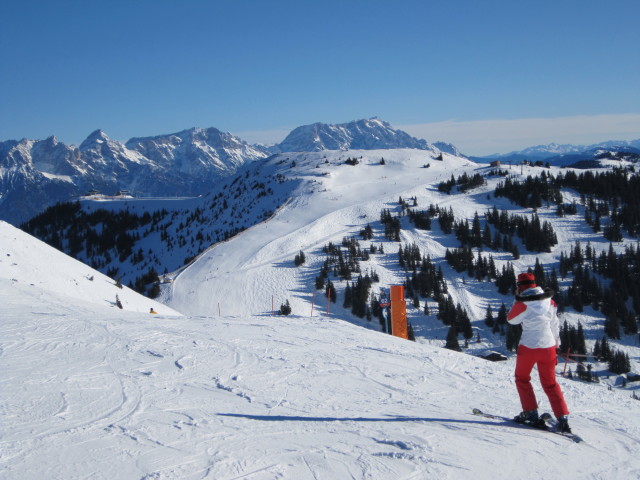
column 537, row 313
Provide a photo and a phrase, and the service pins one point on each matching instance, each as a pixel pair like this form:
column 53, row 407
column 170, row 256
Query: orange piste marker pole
column 399, row 312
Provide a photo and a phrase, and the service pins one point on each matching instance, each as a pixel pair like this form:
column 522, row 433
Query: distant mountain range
column 37, row 173
column 564, row 155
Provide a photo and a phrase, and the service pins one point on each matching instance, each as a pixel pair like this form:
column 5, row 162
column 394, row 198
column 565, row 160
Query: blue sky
column 488, row 76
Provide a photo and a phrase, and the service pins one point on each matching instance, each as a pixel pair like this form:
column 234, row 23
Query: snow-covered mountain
column 555, row 153
column 545, row 151
column 330, row 200
column 92, row 391
column 597, row 157
column 196, row 151
column 366, row 134
column 448, row 148
column 37, row 173
column 151, row 236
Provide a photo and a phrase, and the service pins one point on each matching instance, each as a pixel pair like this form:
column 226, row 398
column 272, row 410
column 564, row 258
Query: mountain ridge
column 38, row 173
column 557, row 151
column 365, row 134
column 35, row 174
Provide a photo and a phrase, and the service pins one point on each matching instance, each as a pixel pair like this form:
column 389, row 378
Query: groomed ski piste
column 93, row 391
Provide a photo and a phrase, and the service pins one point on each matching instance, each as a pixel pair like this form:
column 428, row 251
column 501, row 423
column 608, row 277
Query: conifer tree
column 612, row 327
column 347, row 297
column 488, row 318
column 464, row 322
column 605, row 349
column 619, row 363
column 299, row 259
column 452, row 340
column 538, row 271
column 581, row 344
column 332, row 291
column 476, row 231
column 565, row 341
column 496, row 327
column 553, row 281
column 630, row 324
column 502, row 315
column 486, row 236
column 285, row 308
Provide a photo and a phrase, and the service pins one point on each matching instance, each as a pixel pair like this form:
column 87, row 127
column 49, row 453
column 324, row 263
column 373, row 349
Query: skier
column 152, row 311
column 534, row 309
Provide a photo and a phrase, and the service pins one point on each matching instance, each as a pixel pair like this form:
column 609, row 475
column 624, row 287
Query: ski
column 547, row 424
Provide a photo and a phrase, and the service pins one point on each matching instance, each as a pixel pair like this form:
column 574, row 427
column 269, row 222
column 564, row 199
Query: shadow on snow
column 400, row 418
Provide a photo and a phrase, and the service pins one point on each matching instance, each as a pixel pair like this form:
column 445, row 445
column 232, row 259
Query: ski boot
column 529, row 417
column 563, row 424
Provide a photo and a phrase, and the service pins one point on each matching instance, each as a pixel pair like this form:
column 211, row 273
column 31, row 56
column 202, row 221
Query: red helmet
column 527, row 280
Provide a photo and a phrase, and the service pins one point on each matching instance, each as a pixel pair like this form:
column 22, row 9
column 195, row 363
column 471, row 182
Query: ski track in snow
column 262, row 397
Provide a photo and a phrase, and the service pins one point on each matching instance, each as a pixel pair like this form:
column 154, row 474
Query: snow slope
column 333, row 200
column 26, row 262
column 102, row 393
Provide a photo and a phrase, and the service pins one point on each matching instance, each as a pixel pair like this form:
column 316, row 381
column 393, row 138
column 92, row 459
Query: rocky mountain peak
column 96, row 138
column 364, row 134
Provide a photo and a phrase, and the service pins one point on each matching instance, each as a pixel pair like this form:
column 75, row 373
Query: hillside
column 103, row 393
column 254, row 272
column 136, row 240
column 334, row 200
column 27, row 264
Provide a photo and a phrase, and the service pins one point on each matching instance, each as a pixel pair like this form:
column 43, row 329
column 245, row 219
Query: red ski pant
column 545, row 358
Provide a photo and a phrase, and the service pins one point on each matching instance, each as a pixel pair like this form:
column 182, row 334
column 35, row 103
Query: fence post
column 313, row 298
